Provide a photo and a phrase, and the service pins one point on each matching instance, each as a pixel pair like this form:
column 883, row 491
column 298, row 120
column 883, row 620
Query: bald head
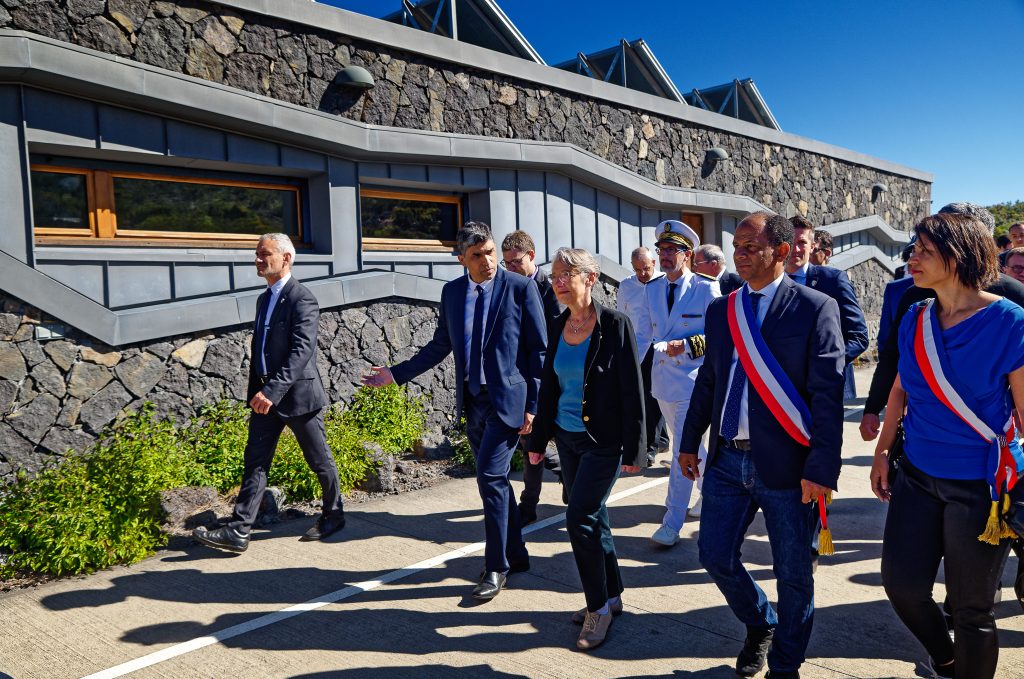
column 643, row 264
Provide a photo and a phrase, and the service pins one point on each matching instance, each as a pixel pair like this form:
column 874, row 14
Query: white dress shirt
column 631, row 296
column 767, row 295
column 275, row 294
column 470, row 312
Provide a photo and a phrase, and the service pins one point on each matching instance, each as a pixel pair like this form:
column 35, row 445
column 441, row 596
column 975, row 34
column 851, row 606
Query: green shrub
column 214, row 443
column 463, row 453
column 387, row 416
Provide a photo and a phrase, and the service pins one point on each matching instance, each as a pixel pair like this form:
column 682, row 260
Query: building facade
column 145, row 142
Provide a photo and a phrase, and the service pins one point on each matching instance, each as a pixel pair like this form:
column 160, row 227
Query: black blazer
column 613, row 395
column 552, row 309
column 293, row 382
column 802, row 331
column 729, row 281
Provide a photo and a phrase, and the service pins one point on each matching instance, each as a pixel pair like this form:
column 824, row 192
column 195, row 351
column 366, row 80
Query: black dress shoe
column 527, row 515
column 324, row 527
column 794, row 674
column 751, row 659
column 224, row 538
column 490, row 584
column 518, row 566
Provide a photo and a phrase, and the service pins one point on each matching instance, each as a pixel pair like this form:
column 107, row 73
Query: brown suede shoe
column 595, row 629
column 579, row 616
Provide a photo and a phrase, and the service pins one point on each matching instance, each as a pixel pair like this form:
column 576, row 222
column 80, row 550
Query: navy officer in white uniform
column 672, row 322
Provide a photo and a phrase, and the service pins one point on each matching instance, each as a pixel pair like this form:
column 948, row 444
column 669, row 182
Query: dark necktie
column 731, row 412
column 261, row 322
column 475, row 341
column 671, row 296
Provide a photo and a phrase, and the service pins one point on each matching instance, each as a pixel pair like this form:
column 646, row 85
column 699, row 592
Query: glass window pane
column 154, row 205
column 414, row 219
column 59, row 201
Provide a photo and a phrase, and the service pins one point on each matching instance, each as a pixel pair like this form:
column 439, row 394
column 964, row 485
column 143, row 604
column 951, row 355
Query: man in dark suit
column 493, row 322
column 710, row 260
column 285, row 390
column 518, row 253
column 752, row 461
column 836, row 284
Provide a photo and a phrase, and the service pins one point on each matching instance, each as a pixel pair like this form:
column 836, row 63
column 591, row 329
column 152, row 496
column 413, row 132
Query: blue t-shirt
column 570, row 362
column 981, row 350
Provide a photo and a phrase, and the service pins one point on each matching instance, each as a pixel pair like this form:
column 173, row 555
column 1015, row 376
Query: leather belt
column 736, row 444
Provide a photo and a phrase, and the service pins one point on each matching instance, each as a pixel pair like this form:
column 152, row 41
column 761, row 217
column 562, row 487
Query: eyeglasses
column 507, row 263
column 669, row 251
column 1016, row 268
column 563, row 278
column 703, row 261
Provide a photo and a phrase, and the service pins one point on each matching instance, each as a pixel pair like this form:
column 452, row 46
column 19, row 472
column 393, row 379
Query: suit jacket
column 672, row 376
column 613, row 392
column 514, row 341
column 890, row 305
column 802, row 330
column 889, row 355
column 729, row 281
column 552, row 309
column 293, row 382
column 836, row 284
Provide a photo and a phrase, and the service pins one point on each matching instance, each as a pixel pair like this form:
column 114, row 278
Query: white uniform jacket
column 672, row 377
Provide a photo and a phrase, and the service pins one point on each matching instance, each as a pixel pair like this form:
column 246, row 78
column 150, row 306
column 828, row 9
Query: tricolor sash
column 933, row 363
column 774, row 387
column 764, row 372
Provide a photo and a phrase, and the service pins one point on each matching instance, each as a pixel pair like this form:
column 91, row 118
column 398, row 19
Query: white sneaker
column 694, row 511
column 665, row 536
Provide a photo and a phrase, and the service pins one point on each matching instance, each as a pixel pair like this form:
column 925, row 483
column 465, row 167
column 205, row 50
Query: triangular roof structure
column 630, row 64
column 478, row 22
column 739, row 99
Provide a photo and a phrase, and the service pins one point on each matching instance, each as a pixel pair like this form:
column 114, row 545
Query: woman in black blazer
column 591, row 403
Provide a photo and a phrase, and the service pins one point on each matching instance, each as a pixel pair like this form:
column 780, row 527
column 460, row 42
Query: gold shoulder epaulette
column 704, row 275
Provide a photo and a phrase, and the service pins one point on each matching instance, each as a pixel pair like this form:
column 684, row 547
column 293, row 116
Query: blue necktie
column 731, row 413
column 475, row 341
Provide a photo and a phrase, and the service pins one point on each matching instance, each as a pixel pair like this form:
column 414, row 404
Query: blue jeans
column 732, row 495
column 493, row 443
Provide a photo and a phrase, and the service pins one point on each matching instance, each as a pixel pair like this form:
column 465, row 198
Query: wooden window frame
column 409, row 244
column 103, row 214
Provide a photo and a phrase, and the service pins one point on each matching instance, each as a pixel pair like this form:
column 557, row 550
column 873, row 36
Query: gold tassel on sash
column 825, row 545
column 993, row 527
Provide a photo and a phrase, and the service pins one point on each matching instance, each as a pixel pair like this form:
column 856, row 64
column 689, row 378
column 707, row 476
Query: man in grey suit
column 285, row 390
column 493, row 322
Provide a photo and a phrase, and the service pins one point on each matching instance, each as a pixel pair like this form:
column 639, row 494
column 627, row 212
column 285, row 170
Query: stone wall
column 869, row 280
column 58, row 395
column 298, row 64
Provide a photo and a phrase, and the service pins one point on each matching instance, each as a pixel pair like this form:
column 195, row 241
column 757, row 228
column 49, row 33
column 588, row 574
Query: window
column 72, row 205
column 397, row 220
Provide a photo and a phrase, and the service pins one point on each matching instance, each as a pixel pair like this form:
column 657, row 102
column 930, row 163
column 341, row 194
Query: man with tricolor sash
column 771, row 392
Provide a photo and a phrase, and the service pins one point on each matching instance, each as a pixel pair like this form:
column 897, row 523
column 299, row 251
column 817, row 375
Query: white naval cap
column 674, row 231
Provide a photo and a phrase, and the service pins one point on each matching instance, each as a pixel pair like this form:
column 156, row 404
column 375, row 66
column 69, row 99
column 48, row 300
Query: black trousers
column 657, row 433
column 533, row 475
column 589, row 472
column 264, row 433
column 931, row 520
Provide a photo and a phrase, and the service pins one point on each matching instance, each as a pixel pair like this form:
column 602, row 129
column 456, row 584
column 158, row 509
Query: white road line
column 334, row 597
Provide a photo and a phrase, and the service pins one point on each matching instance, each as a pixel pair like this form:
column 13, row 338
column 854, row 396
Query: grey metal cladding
column 194, row 280
column 54, row 118
column 15, row 228
column 194, row 141
column 124, row 130
column 86, row 279
column 132, row 284
column 250, row 151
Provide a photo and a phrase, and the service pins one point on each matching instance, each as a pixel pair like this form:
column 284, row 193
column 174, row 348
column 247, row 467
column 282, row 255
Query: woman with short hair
column 591, row 403
column 961, row 373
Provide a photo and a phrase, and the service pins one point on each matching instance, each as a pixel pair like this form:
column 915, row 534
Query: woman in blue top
column 971, row 345
column 591, row 402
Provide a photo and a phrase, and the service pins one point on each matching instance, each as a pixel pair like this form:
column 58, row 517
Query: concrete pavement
column 218, row 615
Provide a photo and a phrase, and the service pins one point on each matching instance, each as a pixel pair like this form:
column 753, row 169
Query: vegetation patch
column 102, row 507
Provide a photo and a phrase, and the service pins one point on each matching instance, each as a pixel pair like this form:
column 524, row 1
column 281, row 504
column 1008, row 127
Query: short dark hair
column 777, row 229
column 472, row 233
column 966, row 242
column 822, row 239
column 801, row 222
column 1004, row 256
column 1002, row 241
column 518, row 240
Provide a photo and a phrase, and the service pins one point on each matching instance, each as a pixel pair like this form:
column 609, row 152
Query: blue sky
column 937, row 85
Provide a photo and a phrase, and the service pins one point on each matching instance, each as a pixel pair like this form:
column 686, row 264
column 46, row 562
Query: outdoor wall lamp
column 716, row 155
column 877, row 189
column 355, row 78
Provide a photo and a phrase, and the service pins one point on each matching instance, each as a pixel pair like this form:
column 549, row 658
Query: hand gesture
column 379, row 377
column 869, row 425
column 260, row 403
column 688, row 464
